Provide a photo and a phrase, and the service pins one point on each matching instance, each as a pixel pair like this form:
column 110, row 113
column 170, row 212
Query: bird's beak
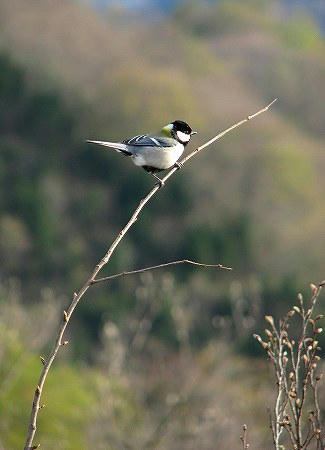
column 193, row 132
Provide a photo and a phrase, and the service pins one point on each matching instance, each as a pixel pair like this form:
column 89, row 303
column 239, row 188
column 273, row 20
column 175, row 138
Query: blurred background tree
column 69, row 71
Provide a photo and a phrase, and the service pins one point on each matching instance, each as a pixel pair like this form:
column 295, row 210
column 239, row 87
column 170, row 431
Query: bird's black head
column 180, row 130
column 184, row 127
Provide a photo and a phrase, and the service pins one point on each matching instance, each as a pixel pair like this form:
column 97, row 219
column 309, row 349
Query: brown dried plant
column 243, row 438
column 296, row 412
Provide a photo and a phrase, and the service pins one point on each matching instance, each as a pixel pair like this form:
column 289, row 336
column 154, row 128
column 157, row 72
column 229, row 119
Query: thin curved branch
column 160, row 266
column 66, row 315
column 217, row 137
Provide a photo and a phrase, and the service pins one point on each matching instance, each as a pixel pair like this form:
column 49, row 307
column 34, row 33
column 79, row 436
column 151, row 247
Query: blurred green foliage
column 55, row 188
column 222, row 17
column 302, row 35
column 70, row 398
column 252, row 202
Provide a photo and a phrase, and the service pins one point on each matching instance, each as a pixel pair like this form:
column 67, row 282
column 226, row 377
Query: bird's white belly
column 158, row 157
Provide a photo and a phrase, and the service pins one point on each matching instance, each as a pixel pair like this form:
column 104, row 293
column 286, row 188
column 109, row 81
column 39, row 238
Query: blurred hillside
column 111, row 77
column 254, row 201
column 315, row 8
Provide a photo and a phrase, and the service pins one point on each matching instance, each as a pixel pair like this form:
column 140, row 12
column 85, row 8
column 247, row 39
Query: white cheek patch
column 183, row 137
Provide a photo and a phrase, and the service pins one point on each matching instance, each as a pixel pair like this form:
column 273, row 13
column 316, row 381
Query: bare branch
column 243, row 438
column 66, row 315
column 147, row 269
column 296, row 371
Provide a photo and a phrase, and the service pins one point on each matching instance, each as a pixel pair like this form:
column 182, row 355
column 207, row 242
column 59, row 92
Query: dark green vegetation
column 254, row 201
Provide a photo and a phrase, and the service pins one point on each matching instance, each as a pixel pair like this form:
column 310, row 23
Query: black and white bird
column 155, row 152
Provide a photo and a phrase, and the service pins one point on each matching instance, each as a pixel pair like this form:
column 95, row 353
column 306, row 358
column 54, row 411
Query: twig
column 147, row 269
column 78, row 295
column 243, row 438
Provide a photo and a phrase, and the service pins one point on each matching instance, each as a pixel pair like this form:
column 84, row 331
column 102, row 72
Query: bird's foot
column 178, row 165
column 160, row 183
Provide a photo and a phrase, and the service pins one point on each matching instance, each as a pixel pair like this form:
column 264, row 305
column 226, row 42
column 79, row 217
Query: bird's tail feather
column 117, row 146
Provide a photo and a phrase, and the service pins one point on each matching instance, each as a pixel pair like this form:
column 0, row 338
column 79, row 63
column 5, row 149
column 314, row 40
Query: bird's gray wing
column 143, row 140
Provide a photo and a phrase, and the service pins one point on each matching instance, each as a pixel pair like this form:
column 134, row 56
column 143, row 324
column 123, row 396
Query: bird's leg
column 179, row 165
column 160, row 182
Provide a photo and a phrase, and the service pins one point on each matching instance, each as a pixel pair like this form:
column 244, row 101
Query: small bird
column 155, row 152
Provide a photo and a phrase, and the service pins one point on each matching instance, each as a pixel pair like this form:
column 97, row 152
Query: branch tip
column 147, row 269
column 273, row 101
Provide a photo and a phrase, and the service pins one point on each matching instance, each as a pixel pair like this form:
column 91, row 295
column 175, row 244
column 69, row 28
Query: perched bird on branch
column 155, row 152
